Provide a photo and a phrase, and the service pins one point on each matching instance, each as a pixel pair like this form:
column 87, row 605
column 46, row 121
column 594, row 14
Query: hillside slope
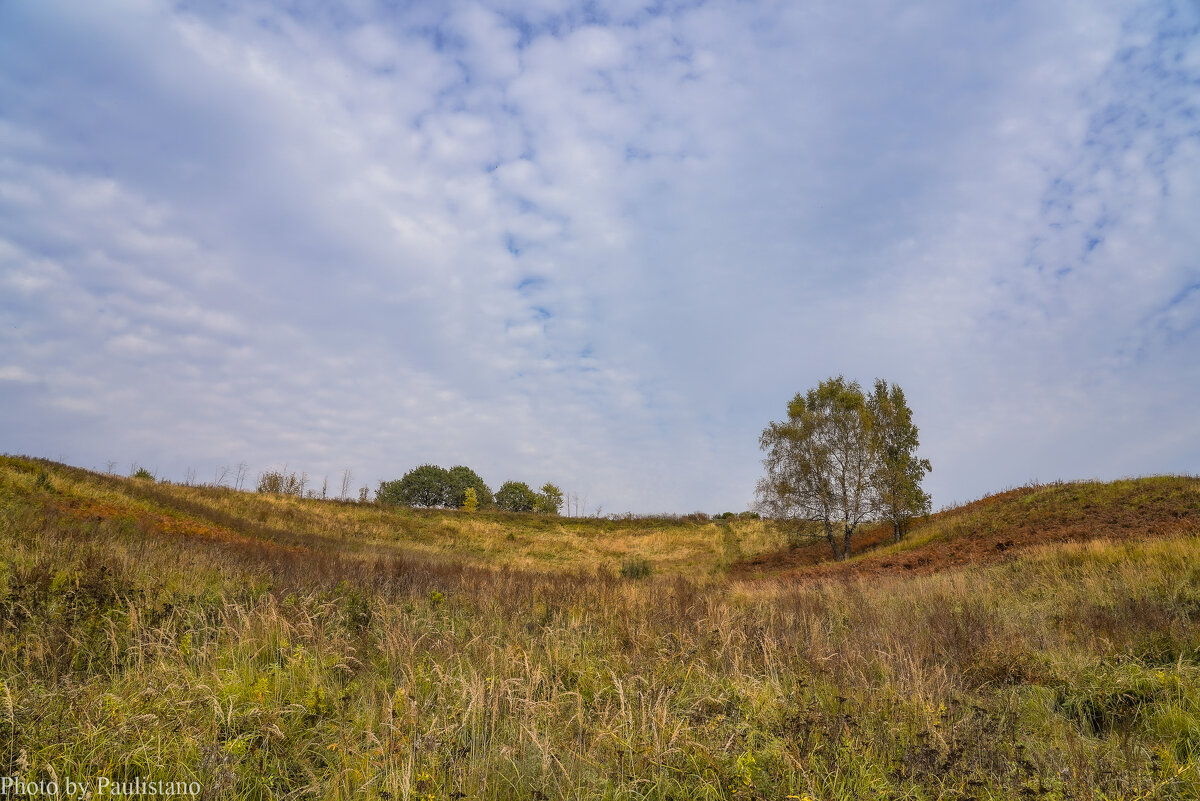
column 270, row 648
column 997, row 526
column 485, row 538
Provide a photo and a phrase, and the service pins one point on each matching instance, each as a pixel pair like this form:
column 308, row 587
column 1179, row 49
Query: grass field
column 279, row 648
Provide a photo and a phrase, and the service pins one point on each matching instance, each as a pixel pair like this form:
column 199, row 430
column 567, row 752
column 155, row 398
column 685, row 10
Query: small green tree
column 550, row 499
column 898, row 471
column 461, row 478
column 516, row 496
column 470, row 500
column 426, row 486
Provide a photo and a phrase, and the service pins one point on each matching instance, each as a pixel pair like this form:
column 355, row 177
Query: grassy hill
column 276, row 648
column 494, row 539
column 999, row 526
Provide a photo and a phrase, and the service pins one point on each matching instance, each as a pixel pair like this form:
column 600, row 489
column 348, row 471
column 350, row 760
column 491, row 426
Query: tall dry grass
column 273, row 665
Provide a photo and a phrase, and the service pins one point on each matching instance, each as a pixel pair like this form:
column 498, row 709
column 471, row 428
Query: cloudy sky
column 602, row 243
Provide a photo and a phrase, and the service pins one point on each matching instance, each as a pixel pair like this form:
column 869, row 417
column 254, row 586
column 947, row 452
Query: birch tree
column 820, row 462
column 898, row 471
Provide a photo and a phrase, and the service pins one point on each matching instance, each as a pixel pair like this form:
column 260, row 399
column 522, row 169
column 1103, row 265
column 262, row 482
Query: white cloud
column 601, row 248
column 490, row 43
column 17, row 374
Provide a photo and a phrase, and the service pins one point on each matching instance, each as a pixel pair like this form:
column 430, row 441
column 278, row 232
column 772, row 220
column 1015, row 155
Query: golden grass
column 294, row 667
column 487, row 538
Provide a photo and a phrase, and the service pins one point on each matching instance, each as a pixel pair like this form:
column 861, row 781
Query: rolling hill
column 999, row 526
column 1041, row 643
column 349, row 529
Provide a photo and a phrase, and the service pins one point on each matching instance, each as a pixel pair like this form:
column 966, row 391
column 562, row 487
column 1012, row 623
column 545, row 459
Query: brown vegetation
column 998, row 526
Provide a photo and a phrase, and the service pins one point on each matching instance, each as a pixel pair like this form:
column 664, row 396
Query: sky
column 599, row 244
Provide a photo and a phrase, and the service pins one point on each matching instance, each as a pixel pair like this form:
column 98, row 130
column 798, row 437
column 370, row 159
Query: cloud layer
column 601, row 247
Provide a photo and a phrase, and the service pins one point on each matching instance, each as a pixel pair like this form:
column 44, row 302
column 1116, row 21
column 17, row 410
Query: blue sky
column 599, row 244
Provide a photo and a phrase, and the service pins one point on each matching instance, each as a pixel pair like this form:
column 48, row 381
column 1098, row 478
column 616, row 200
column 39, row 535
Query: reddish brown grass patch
column 994, row 528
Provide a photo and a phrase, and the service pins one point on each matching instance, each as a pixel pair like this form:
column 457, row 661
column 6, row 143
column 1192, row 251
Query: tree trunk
column 838, row 556
column 846, row 543
column 897, row 531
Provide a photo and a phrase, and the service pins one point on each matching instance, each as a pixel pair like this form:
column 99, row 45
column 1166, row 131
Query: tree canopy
column 432, row 486
column 898, row 471
column 516, row 496
column 461, row 479
column 842, row 458
column 426, row 486
column 550, row 499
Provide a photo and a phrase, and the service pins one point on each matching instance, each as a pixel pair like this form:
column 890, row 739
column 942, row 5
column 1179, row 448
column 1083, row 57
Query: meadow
column 275, row 647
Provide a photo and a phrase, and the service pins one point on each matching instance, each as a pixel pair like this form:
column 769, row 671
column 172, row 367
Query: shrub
column 43, row 481
column 516, row 496
column 278, row 482
column 142, row 472
column 800, row 532
column 635, row 568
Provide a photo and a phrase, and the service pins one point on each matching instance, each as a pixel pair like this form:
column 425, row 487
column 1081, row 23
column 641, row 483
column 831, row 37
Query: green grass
column 274, row 648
